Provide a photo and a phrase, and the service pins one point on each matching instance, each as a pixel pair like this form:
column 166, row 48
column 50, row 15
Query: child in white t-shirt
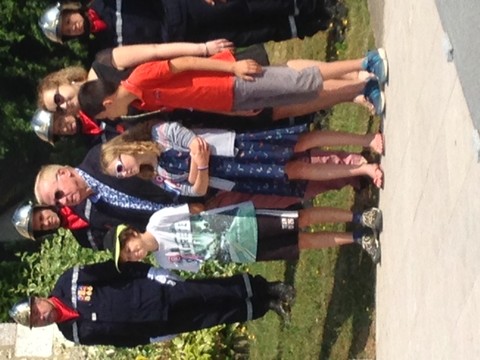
column 182, row 240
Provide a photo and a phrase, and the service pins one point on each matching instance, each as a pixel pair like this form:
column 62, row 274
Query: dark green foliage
column 26, row 56
column 11, row 274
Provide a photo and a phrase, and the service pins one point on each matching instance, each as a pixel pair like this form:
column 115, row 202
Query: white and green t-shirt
column 185, row 241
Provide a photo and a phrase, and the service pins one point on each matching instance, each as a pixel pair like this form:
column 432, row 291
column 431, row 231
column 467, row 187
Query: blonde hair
column 46, row 173
column 124, row 144
column 61, row 77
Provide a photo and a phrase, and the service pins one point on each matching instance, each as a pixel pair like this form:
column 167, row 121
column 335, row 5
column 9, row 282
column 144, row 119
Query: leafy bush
column 10, row 273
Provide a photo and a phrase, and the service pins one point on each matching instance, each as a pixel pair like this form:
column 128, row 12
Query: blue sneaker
column 375, row 95
column 377, row 64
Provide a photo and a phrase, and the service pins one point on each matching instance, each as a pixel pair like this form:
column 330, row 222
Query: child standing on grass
column 221, row 84
column 239, row 233
column 267, row 162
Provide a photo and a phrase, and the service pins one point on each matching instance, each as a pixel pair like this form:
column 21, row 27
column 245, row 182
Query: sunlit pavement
column 428, row 284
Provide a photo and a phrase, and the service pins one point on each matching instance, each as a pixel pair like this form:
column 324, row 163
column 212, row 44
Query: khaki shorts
column 277, row 86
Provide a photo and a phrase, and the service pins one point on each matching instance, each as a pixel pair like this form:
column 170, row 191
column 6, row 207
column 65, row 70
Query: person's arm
column 196, row 145
column 239, row 112
column 242, row 69
column 172, row 135
column 196, row 208
column 192, row 174
column 133, row 55
column 97, row 335
column 201, row 180
column 106, row 271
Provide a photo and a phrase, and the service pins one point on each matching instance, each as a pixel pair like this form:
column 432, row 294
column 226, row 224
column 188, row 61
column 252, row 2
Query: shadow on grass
column 290, row 269
column 353, row 294
column 289, row 278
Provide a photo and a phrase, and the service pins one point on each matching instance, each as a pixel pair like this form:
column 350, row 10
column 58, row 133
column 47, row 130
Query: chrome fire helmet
column 21, row 311
column 51, row 20
column 22, row 219
column 42, row 124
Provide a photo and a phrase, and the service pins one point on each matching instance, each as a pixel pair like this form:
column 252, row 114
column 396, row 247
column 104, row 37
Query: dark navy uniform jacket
column 244, row 22
column 127, row 309
column 121, row 309
column 141, row 22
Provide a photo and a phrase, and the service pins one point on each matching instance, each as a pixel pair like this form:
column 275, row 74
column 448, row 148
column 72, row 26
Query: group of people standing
column 190, row 160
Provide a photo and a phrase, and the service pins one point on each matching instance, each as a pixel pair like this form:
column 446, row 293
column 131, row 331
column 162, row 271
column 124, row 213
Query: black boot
column 283, row 292
column 281, row 309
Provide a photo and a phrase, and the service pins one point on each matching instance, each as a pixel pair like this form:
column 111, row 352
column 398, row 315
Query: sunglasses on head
column 59, row 100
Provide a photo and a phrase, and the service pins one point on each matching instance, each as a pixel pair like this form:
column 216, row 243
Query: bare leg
column 329, row 70
column 297, row 170
column 357, row 75
column 319, row 138
column 318, row 215
column 334, row 92
column 323, row 240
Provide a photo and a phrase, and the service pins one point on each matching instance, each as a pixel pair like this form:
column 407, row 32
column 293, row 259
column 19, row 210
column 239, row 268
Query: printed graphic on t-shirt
column 228, row 234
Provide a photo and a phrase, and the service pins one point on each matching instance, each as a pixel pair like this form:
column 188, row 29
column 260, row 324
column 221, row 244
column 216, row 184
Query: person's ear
column 108, row 101
column 63, row 171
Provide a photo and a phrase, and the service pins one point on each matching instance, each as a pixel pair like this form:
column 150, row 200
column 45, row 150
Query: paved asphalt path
column 428, row 284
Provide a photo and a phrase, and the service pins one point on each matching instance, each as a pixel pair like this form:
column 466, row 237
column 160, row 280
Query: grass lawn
column 333, row 317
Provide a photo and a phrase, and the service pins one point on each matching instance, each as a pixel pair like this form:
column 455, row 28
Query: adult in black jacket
column 244, row 22
column 96, row 304
column 38, row 221
column 87, row 222
column 53, row 126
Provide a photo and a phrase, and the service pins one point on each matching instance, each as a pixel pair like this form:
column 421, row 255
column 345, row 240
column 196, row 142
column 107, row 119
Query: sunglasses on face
column 58, row 194
column 59, row 100
column 119, row 168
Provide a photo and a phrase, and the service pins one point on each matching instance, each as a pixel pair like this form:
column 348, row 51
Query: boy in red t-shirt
column 221, row 84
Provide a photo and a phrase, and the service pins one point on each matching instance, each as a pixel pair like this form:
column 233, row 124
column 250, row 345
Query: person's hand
column 198, row 144
column 196, row 208
column 244, row 68
column 212, row 2
column 215, row 46
column 202, row 157
column 163, row 276
column 247, row 112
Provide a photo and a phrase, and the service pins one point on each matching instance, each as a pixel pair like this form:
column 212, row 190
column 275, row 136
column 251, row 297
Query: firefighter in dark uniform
column 244, row 22
column 96, row 304
column 89, row 132
column 89, row 230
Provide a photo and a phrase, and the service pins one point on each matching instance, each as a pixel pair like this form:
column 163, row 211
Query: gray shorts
column 277, row 86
